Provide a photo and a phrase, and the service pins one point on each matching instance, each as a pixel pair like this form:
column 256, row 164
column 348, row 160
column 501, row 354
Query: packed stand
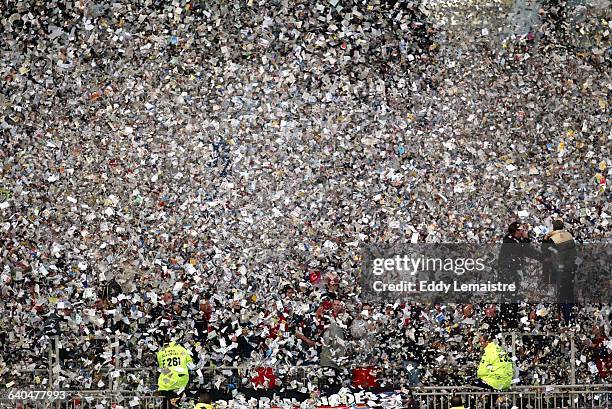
column 212, row 168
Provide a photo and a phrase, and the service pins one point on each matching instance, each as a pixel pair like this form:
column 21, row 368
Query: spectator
column 516, row 248
column 560, row 244
column 456, row 403
column 601, row 349
column 334, row 348
column 111, row 289
column 364, row 330
column 205, row 401
column 201, row 321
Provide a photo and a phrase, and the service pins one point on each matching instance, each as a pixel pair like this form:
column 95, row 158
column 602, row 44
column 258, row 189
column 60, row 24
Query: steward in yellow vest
column 173, row 361
column 495, row 367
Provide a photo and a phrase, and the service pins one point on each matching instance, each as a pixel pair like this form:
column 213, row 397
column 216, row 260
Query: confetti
column 214, row 167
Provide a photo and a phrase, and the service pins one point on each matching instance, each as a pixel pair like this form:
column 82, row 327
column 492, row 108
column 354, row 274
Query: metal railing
column 113, row 374
column 544, row 397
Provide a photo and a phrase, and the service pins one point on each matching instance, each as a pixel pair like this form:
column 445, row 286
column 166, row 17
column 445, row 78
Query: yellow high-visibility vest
column 173, row 361
column 495, row 367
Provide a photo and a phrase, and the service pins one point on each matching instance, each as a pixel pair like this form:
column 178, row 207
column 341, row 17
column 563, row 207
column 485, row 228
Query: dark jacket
column 110, row 289
column 514, row 253
column 561, row 249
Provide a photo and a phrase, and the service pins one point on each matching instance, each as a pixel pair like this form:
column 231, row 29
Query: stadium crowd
column 211, row 168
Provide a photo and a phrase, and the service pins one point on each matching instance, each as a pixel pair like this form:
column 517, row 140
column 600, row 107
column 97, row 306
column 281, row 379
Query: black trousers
column 489, row 402
column 171, row 399
column 331, row 382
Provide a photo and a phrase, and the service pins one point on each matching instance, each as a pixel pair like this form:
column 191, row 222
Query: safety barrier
column 541, row 397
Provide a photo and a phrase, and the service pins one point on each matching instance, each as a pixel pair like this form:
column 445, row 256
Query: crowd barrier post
column 57, row 363
column 573, row 360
